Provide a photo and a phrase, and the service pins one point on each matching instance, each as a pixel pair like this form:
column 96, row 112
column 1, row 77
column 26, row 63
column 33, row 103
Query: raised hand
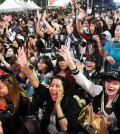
column 44, row 15
column 38, row 14
column 96, row 37
column 1, row 57
column 55, row 24
column 59, row 99
column 82, row 14
column 21, row 56
column 110, row 59
column 64, row 52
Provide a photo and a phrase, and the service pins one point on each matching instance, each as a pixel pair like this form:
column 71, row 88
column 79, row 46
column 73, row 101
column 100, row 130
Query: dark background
column 43, row 3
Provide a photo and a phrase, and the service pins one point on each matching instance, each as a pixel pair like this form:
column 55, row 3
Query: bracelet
column 75, row 71
column 61, row 117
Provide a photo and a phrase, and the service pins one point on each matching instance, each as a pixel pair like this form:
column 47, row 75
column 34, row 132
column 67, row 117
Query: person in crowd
column 23, row 27
column 45, row 70
column 110, row 92
column 31, row 28
column 86, row 26
column 111, row 50
column 92, row 69
column 94, row 38
column 21, row 77
column 15, row 100
column 73, row 39
column 50, row 43
column 32, row 44
column 17, row 71
column 106, row 31
column 10, row 29
column 59, row 115
column 63, row 70
column 17, row 43
column 111, row 25
column 5, row 59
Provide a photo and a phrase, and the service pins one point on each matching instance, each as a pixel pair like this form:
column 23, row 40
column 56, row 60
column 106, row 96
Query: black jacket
column 69, row 106
column 115, row 104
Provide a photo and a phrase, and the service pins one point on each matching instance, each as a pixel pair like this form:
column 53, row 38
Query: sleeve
column 90, row 87
column 42, row 91
column 71, row 112
column 45, row 36
column 107, row 46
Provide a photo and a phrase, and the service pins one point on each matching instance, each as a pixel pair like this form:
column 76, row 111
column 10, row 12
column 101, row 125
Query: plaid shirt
column 91, row 44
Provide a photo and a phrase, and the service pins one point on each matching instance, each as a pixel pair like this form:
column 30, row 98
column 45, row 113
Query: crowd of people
column 53, row 62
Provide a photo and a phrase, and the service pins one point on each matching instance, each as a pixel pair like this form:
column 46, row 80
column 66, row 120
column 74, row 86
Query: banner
column 51, row 2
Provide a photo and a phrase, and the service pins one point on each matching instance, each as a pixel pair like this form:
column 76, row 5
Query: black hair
column 97, row 59
column 63, row 80
column 13, row 60
column 48, row 62
column 58, row 69
column 13, row 48
column 31, row 36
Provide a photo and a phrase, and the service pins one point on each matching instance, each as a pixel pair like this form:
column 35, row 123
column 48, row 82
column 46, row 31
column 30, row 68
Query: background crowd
column 53, row 62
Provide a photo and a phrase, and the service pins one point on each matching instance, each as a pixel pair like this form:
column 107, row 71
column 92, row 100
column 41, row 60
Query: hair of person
column 13, row 48
column 99, row 25
column 63, row 80
column 105, row 26
column 97, row 59
column 46, row 59
column 31, row 36
column 13, row 60
column 24, row 19
column 118, row 24
column 111, row 18
column 14, row 90
column 19, row 41
column 58, row 69
column 75, row 32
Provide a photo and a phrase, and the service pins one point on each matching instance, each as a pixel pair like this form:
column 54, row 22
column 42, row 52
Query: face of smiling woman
column 112, row 87
column 56, row 88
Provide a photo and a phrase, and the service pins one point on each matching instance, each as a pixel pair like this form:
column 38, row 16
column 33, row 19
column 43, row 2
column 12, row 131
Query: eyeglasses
column 90, row 62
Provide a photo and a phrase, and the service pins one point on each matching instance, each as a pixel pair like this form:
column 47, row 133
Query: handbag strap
column 102, row 102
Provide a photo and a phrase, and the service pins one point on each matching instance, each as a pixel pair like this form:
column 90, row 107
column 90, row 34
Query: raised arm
column 5, row 62
column 80, row 78
column 49, row 27
column 38, row 30
column 24, row 65
column 82, row 15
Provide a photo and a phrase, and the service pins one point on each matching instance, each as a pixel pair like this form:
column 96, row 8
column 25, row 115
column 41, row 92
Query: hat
column 113, row 75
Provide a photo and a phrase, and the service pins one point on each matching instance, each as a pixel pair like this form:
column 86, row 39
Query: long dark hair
column 58, row 69
column 48, row 62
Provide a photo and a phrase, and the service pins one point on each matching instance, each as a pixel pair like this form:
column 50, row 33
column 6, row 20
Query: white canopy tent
column 11, row 5
column 24, row 4
column 32, row 4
